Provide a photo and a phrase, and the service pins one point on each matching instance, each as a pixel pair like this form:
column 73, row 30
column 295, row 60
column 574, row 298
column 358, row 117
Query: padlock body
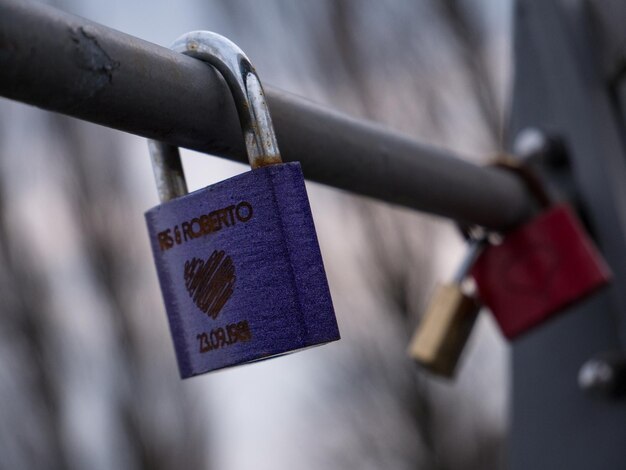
column 240, row 270
column 538, row 270
column 444, row 329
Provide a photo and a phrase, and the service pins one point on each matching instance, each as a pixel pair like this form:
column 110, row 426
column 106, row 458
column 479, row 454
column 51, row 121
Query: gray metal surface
column 609, row 32
column 559, row 87
column 70, row 65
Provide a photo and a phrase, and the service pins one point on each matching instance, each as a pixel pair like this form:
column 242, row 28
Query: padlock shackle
column 168, row 170
column 474, row 250
column 245, row 86
column 528, row 176
column 247, row 91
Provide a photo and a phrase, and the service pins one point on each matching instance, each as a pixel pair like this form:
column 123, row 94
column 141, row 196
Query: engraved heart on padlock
column 532, row 271
column 210, row 283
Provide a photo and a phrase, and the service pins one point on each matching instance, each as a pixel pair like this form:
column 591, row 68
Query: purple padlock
column 238, row 262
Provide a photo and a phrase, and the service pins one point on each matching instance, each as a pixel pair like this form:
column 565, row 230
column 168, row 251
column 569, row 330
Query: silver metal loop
column 168, row 170
column 247, row 91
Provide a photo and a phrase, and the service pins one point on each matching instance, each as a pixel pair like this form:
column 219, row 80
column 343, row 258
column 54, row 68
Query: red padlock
column 539, row 269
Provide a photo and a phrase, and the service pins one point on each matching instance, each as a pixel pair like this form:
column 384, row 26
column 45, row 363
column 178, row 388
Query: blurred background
column 88, row 378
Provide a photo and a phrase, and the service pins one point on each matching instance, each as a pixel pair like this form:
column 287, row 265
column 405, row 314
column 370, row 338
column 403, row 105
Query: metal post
column 560, row 88
column 67, row 64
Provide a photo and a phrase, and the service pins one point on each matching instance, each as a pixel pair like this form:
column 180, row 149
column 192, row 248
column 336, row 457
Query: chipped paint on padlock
column 538, row 270
column 238, row 262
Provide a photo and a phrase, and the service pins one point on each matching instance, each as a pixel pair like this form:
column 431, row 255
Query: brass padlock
column 445, row 327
